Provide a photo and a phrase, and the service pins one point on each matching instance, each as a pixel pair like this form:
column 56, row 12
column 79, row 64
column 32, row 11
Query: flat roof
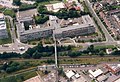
column 36, row 30
column 60, row 30
column 69, row 73
column 58, row 5
column 114, row 67
column 26, row 13
column 77, row 75
column 102, row 78
column 1, row 15
column 87, row 19
column 33, row 79
column 96, row 73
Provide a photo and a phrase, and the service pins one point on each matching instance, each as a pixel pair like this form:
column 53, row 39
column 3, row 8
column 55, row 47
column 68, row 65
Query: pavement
column 16, row 44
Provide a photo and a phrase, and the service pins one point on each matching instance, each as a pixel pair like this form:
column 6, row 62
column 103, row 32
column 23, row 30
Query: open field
column 105, row 46
column 19, row 78
column 24, row 74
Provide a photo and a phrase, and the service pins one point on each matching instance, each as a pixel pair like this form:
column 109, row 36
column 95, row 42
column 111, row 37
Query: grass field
column 20, row 77
column 49, row 2
column 24, row 74
column 89, row 60
column 6, row 40
column 106, row 46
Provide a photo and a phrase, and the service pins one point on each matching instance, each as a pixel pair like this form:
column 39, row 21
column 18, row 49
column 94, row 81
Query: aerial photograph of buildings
column 59, row 40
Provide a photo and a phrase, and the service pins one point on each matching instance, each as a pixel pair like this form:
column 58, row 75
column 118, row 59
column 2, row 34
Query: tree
column 30, row 51
column 4, row 66
column 101, row 53
column 17, row 2
column 91, row 48
column 73, row 13
column 38, row 1
column 50, row 61
column 46, row 72
column 36, row 55
column 42, row 9
column 116, row 52
column 40, row 19
column 26, row 55
column 74, row 54
column 10, row 12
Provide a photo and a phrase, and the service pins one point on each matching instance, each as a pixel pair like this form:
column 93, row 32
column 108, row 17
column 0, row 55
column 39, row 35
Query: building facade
column 74, row 29
column 3, row 28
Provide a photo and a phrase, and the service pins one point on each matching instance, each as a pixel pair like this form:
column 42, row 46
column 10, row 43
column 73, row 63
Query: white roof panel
column 70, row 73
column 96, row 73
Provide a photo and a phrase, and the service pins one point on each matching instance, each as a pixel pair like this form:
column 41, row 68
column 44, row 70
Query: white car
column 22, row 48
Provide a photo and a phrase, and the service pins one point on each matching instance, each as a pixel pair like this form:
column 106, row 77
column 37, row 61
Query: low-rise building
column 102, row 78
column 96, row 73
column 3, row 28
column 69, row 73
column 114, row 68
column 109, row 51
column 55, row 7
column 34, row 79
column 46, row 67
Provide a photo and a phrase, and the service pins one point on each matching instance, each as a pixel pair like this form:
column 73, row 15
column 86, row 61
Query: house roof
column 96, row 73
column 70, row 73
column 33, row 79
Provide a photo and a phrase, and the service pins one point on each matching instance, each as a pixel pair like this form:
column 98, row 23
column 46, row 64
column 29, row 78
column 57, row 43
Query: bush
column 26, row 7
column 10, row 12
column 40, row 19
column 17, row 2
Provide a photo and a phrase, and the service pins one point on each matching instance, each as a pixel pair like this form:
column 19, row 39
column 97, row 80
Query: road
column 107, row 35
column 16, row 44
column 14, row 47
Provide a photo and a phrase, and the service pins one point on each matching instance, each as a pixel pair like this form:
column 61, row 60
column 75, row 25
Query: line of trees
column 62, row 13
column 36, row 52
column 40, row 51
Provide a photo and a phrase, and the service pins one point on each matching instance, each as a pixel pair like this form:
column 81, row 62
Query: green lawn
column 91, row 60
column 20, row 77
column 106, row 46
column 7, row 40
column 9, row 12
column 49, row 2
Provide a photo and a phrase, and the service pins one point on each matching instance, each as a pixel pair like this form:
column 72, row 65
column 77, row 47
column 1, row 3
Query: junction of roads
column 16, row 44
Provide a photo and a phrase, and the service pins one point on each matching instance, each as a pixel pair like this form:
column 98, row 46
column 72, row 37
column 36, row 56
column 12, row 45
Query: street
column 107, row 35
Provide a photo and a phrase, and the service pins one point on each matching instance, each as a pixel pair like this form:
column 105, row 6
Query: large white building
column 55, row 7
column 3, row 28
